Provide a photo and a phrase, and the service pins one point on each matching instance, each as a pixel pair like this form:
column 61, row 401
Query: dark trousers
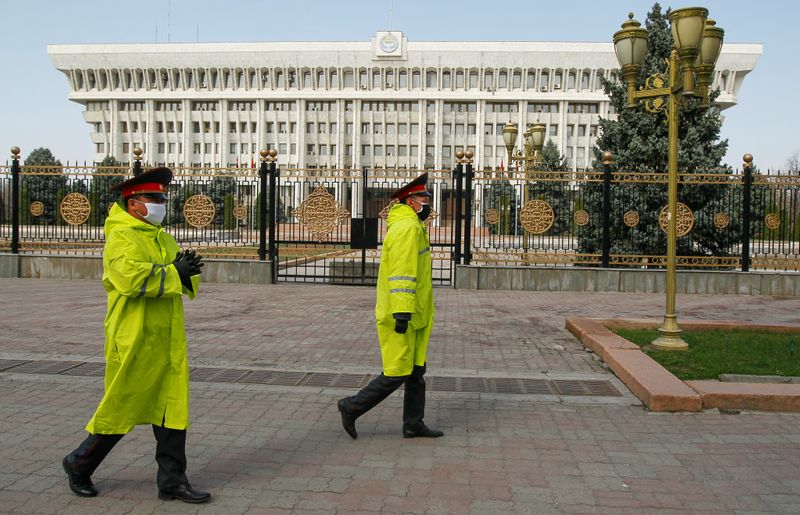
column 170, row 455
column 383, row 386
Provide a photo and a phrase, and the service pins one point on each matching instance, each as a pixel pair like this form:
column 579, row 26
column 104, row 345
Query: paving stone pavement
column 270, row 449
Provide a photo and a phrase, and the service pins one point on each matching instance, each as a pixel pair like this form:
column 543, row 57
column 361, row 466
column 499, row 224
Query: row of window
column 489, row 79
column 325, row 150
column 390, row 129
column 373, row 106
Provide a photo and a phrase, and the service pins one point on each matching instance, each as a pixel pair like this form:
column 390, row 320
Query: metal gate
column 330, row 224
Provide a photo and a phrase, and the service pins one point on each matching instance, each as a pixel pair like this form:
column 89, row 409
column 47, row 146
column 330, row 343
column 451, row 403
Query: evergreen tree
column 550, row 183
column 43, row 180
column 108, row 173
column 638, row 141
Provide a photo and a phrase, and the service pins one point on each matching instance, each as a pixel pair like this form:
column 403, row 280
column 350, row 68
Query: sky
column 36, row 112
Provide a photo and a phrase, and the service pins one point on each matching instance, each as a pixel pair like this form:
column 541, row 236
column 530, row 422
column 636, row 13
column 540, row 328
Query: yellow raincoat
column 405, row 285
column 147, row 374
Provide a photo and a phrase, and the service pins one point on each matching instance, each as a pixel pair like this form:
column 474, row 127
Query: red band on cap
column 413, row 190
column 145, row 187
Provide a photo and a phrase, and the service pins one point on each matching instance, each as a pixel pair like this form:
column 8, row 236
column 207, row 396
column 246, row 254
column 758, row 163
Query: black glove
column 187, row 264
column 401, row 322
column 196, row 261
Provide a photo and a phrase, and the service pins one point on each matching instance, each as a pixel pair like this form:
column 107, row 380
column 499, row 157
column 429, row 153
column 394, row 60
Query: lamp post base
column 670, row 336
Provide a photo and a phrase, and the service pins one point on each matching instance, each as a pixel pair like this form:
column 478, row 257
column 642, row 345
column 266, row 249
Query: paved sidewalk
column 270, row 449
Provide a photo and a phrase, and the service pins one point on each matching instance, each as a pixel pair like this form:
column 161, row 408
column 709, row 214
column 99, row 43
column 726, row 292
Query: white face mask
column 155, row 212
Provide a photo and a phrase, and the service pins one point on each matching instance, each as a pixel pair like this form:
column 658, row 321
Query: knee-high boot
column 171, row 457
column 356, row 405
column 414, row 398
column 372, row 394
column 81, row 463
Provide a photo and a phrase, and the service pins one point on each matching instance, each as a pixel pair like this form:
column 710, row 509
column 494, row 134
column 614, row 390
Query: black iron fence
column 62, row 209
column 725, row 219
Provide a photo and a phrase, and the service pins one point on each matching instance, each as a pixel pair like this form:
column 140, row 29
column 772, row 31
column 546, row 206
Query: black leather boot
column 370, row 396
column 81, row 463
column 414, row 407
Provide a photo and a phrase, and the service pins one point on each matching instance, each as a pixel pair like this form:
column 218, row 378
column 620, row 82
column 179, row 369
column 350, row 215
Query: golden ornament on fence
column 683, row 223
column 721, row 220
column 772, row 221
column 581, row 217
column 631, row 218
column 240, row 211
column 199, row 211
column 75, row 208
column 536, row 216
column 492, row 216
column 36, row 208
column 320, row 213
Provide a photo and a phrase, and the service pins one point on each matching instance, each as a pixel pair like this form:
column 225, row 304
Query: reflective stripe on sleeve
column 403, row 278
column 163, row 280
column 144, row 285
column 403, row 290
column 423, row 251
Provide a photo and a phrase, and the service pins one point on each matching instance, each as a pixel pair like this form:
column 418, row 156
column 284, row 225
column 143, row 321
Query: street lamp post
column 696, row 45
column 530, row 157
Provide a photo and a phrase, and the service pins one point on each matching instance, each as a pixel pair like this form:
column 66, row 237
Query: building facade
column 387, row 102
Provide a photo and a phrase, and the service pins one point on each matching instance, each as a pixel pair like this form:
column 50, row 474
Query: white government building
column 387, row 102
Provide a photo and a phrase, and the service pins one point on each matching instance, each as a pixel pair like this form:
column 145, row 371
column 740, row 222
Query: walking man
column 147, row 375
column 404, row 314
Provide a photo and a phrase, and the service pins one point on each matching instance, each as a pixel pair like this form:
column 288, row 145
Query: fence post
column 468, row 204
column 137, row 161
column 273, row 210
column 747, row 168
column 15, row 170
column 263, row 170
column 458, row 188
column 606, row 245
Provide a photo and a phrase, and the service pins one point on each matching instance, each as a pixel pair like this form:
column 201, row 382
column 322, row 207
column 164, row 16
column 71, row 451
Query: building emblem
column 581, row 217
column 37, row 208
column 389, row 43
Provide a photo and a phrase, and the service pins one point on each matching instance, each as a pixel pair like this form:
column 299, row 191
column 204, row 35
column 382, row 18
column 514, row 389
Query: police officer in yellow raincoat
column 404, row 314
column 147, row 374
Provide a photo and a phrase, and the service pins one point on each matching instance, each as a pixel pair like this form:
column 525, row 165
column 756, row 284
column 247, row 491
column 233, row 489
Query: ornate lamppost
column 528, row 158
column 696, row 46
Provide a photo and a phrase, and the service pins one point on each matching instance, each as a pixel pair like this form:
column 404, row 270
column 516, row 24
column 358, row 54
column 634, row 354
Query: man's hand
column 401, row 322
column 187, row 264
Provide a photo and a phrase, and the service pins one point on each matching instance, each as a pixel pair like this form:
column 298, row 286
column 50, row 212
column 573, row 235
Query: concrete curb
column 659, row 390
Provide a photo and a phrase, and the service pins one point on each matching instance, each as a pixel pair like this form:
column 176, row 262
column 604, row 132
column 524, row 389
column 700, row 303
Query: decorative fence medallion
column 199, row 211
column 772, row 221
column 581, row 217
column 240, row 211
column 537, row 216
column 320, row 213
column 492, row 216
column 75, row 208
column 683, row 223
column 721, row 220
column 37, row 208
column 631, row 218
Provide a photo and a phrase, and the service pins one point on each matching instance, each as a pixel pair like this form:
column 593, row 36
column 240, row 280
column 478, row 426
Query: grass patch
column 712, row 353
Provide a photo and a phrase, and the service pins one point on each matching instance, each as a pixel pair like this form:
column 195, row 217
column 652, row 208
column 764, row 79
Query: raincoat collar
column 119, row 217
column 399, row 212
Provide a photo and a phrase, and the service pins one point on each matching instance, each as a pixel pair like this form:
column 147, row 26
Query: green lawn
column 712, row 353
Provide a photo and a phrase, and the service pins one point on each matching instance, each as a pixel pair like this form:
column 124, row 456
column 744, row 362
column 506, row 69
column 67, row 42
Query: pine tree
column 107, row 174
column 638, row 141
column 43, row 181
column 550, row 183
